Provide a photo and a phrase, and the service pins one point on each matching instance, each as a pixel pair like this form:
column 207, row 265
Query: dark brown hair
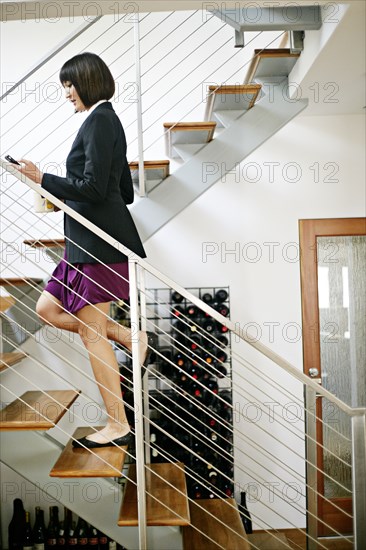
column 90, row 76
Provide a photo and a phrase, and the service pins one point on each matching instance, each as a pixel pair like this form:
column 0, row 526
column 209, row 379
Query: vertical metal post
column 140, row 137
column 311, row 471
column 137, row 395
column 145, row 384
column 359, row 480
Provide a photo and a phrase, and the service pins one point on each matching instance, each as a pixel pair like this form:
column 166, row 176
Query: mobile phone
column 10, row 159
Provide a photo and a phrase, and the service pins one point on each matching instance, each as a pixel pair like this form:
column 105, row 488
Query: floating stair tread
column 223, row 526
column 190, row 126
column 235, row 89
column 154, row 169
column 262, row 63
column 45, row 243
column 102, row 462
column 150, row 164
column 6, row 302
column 19, row 281
column 36, row 410
column 11, row 358
column 187, row 133
column 171, row 508
column 231, row 97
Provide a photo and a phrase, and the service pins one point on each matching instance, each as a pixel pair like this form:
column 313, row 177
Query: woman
column 98, row 185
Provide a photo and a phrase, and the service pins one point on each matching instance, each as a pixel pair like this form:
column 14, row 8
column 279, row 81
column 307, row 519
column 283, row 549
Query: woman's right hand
column 30, row 170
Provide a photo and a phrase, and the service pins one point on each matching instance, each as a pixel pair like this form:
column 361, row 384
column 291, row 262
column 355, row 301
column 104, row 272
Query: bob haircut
column 90, row 76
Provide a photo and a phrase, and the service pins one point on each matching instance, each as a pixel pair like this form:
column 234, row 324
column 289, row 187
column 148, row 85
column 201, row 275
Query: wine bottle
column 195, row 370
column 179, row 359
column 103, row 541
column 222, row 339
column 221, row 356
column 81, row 533
column 192, row 312
column 198, row 491
column 221, row 295
column 61, row 538
column 154, row 451
column 227, row 488
column 219, row 369
column 39, row 530
column 221, row 328
column 210, row 391
column 193, row 343
column 52, row 529
column 16, row 527
column 207, row 298
column 70, row 538
column 177, row 298
column 28, row 535
column 209, row 325
column 178, row 311
column 93, row 540
column 244, row 514
column 223, row 309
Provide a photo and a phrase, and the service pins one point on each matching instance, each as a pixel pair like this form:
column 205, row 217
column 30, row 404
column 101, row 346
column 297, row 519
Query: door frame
column 309, row 230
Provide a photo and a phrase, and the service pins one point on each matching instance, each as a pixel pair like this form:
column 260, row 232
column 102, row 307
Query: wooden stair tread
column 190, row 126
column 229, row 534
column 231, row 97
column 235, row 89
column 270, row 53
column 76, row 462
column 274, row 541
column 154, row 169
column 275, row 52
column 19, row 281
column 6, row 302
column 150, row 164
column 11, row 358
column 20, row 414
column 45, row 243
column 173, row 510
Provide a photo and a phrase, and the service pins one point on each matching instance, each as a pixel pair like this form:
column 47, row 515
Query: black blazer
column 98, row 185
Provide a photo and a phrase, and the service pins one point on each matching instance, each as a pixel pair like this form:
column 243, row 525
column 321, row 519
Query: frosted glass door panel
column 342, row 330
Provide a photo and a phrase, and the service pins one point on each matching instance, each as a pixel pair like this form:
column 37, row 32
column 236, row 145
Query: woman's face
column 72, row 95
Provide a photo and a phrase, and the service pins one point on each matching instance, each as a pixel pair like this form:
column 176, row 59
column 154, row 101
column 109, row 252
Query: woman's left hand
column 30, row 170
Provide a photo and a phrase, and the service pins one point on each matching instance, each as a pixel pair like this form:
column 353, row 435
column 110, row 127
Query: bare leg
column 106, row 370
column 50, row 311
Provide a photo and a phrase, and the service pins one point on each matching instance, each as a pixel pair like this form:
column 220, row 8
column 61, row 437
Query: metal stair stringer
column 217, row 158
column 97, row 500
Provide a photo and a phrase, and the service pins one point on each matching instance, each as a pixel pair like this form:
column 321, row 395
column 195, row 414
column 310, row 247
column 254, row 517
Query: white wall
column 257, row 217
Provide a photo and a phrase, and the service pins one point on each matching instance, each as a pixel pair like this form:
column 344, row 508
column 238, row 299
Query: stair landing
column 170, row 508
column 36, row 410
column 215, row 523
column 102, row 462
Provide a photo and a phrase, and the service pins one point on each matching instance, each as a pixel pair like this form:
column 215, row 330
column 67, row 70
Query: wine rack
column 190, row 388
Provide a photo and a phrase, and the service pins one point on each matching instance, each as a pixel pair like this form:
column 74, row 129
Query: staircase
column 235, row 120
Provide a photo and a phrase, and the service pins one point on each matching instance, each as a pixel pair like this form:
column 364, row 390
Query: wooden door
column 333, row 286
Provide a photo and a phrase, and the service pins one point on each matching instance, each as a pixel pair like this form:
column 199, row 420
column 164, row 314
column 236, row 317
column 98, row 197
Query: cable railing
column 245, row 446
column 170, row 100
column 253, row 459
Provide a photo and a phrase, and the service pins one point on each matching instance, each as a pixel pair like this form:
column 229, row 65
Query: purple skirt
column 80, row 285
